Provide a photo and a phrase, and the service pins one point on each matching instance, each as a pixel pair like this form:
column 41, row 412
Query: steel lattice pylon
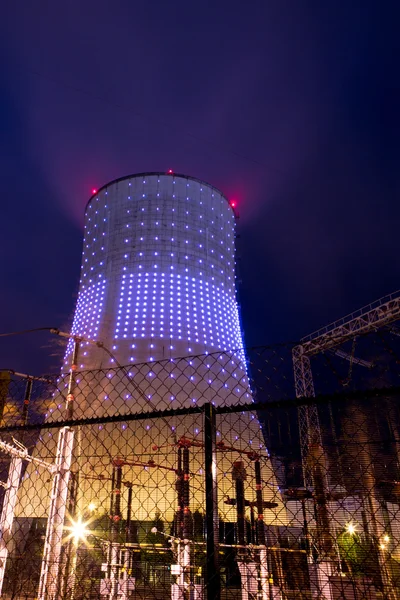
column 310, row 432
column 380, row 313
column 366, row 319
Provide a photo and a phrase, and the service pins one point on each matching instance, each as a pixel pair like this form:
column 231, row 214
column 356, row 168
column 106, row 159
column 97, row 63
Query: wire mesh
column 114, row 481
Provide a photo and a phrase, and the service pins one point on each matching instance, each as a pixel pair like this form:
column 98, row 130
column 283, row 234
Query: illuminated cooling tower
column 158, row 271
column 158, row 284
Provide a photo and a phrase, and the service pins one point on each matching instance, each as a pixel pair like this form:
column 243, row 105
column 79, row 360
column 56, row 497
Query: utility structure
column 118, row 552
column 18, row 453
column 183, row 522
column 247, row 568
column 379, row 314
column 21, row 416
column 54, row 574
column 157, row 283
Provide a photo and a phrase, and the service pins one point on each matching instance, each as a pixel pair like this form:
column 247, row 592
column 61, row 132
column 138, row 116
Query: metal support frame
column 49, row 583
column 68, row 556
column 310, row 432
column 213, row 577
column 184, row 522
column 118, row 554
column 27, row 399
column 53, row 576
column 378, row 314
column 7, row 513
column 115, row 516
column 187, row 516
column 19, row 453
column 246, row 564
column 239, row 476
column 269, row 591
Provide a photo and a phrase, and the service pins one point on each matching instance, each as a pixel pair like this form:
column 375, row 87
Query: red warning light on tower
column 233, row 203
column 170, row 172
column 94, row 191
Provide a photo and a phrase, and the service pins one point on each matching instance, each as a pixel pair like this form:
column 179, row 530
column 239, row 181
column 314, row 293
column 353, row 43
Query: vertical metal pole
column 239, row 476
column 187, row 517
column 116, row 522
column 180, row 528
column 253, row 530
column 72, row 381
column 27, row 399
column 265, row 591
column 117, row 491
column 306, row 532
column 213, row 578
column 49, row 582
column 50, row 570
column 7, row 513
column 67, row 557
column 10, row 496
column 71, row 550
column 128, row 536
column 187, row 524
column 110, row 530
column 260, row 504
column 181, row 502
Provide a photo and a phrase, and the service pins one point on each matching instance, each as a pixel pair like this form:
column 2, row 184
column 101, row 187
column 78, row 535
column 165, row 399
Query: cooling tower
column 157, row 290
column 158, row 271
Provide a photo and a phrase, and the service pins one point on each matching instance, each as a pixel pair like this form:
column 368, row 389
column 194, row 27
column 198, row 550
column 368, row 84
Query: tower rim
column 156, row 173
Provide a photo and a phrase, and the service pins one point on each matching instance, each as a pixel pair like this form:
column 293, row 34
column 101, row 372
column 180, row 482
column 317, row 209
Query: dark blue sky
column 290, row 107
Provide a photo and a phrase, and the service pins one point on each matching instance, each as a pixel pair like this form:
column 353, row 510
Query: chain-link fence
column 205, row 477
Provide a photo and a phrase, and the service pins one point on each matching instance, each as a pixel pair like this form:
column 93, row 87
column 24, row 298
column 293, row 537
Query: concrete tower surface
column 158, row 271
column 157, row 289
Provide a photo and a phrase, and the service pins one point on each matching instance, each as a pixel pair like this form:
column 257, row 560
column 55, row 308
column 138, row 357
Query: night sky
column 289, row 107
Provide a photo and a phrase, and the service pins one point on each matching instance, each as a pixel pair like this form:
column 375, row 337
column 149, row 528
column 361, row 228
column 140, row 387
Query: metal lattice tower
column 369, row 318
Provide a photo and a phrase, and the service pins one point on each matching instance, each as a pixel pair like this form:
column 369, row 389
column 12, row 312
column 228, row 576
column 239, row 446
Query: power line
column 11, row 333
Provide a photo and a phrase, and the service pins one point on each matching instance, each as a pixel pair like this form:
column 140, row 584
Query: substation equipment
column 321, row 565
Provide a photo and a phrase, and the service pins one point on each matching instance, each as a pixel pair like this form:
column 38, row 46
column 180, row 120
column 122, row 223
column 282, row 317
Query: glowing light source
column 78, row 530
column 94, row 191
column 351, row 528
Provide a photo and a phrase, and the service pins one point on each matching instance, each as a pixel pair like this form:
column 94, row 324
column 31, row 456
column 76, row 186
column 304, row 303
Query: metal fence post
column 52, row 575
column 212, row 579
